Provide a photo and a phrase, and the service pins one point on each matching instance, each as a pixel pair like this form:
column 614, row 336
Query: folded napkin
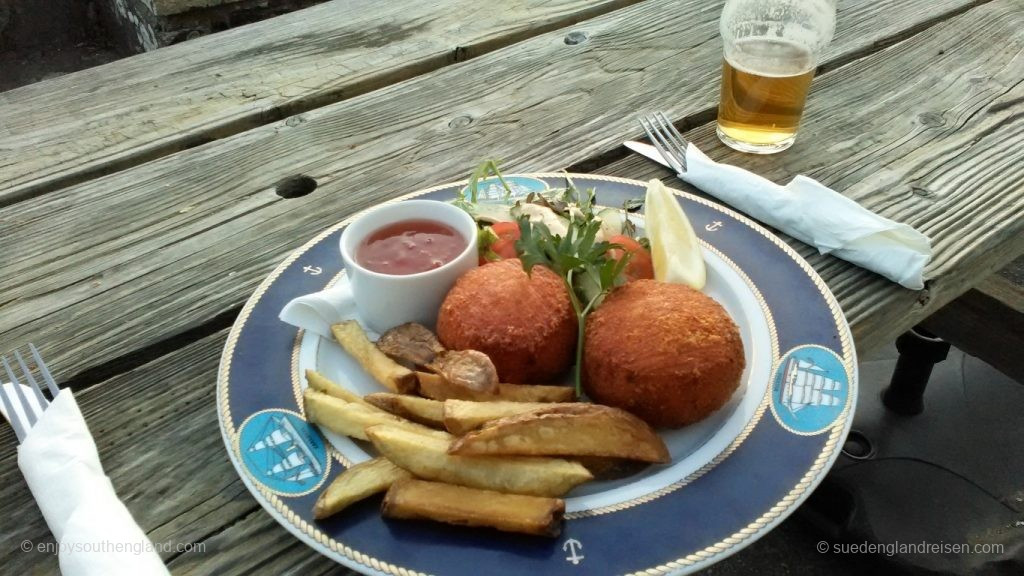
column 95, row 532
column 817, row 215
column 316, row 312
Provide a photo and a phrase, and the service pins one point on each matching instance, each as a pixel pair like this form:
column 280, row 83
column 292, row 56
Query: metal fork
column 669, row 142
column 22, row 428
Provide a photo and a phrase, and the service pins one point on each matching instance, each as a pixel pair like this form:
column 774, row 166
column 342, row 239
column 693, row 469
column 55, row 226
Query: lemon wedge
column 675, row 250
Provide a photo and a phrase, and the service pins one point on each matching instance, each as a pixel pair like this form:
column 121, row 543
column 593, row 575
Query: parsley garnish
column 485, row 170
column 582, row 263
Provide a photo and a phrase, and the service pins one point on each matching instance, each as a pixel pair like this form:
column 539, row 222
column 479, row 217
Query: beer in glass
column 771, row 51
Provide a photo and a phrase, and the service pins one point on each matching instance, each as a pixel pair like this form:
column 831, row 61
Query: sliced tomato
column 506, row 230
column 506, row 248
column 640, row 264
column 508, row 235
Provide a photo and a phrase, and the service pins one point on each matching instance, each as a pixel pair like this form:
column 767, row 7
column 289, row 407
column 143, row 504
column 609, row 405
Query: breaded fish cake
column 526, row 324
column 665, row 352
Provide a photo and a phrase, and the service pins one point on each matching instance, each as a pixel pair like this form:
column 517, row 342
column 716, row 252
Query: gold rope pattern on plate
column 297, row 384
column 296, row 377
column 297, row 521
column 756, row 526
column 785, row 504
column 297, row 390
column 773, row 332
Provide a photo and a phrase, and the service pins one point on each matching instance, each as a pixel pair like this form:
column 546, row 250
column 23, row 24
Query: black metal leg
column 919, row 351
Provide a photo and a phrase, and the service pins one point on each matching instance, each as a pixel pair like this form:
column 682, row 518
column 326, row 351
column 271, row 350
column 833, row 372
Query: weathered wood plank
column 157, row 432
column 157, row 435
column 93, row 122
column 144, row 255
column 987, row 322
column 930, row 146
column 158, row 438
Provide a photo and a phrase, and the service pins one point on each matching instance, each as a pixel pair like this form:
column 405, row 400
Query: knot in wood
column 924, row 296
column 931, row 119
column 922, row 192
column 460, row 121
column 576, row 37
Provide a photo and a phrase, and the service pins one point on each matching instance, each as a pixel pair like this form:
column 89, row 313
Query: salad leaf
column 486, row 238
column 577, row 256
column 485, row 170
column 581, row 261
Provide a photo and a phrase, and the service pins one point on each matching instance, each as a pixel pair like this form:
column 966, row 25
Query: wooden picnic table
column 141, row 202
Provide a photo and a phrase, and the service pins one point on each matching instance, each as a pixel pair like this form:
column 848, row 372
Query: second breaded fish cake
column 665, row 352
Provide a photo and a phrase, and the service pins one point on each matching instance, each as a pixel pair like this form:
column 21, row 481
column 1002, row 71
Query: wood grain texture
column 128, row 261
column 158, row 438
column 96, row 121
column 987, row 322
column 170, row 426
column 930, row 145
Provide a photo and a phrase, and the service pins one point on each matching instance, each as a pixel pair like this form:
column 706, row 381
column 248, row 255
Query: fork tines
column 664, row 136
column 28, row 375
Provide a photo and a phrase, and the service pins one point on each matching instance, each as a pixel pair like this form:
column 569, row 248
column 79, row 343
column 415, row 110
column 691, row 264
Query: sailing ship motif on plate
column 810, row 389
column 283, row 452
column 807, row 384
column 490, row 189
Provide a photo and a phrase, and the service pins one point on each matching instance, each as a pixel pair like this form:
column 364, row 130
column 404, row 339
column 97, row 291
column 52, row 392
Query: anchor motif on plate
column 713, row 226
column 573, row 546
column 312, row 270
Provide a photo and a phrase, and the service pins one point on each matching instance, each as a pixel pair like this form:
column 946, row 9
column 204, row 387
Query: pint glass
column 771, row 51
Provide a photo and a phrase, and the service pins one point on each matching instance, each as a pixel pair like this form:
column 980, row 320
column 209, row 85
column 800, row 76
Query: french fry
column 351, row 419
column 436, row 387
column 422, row 410
column 421, row 500
column 360, row 481
column 567, row 430
column 610, row 468
column 535, row 393
column 320, row 383
column 384, row 370
column 461, row 416
column 427, row 457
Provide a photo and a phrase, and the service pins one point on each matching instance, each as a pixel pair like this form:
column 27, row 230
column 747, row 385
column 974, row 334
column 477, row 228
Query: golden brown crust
column 665, row 352
column 570, row 430
column 526, row 324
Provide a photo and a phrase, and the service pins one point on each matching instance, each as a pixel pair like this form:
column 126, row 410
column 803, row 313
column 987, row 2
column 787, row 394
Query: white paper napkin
column 817, row 215
column 96, row 533
column 316, row 312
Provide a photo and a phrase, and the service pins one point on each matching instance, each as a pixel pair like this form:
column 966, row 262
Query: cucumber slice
column 612, row 220
column 491, row 212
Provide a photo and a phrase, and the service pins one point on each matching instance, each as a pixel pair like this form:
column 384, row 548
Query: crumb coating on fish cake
column 525, row 324
column 665, row 352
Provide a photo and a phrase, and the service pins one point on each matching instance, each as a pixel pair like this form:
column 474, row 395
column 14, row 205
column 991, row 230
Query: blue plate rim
column 310, row 534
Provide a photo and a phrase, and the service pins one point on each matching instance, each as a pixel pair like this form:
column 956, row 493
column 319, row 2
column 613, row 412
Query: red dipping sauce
column 410, row 246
